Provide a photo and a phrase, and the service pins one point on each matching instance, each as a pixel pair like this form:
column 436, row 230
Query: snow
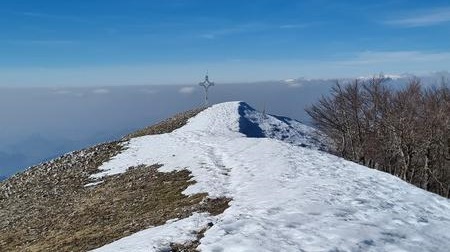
column 387, row 76
column 93, row 183
column 287, row 195
column 155, row 238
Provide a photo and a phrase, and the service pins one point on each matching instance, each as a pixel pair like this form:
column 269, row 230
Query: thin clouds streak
column 249, row 28
column 43, row 42
column 376, row 57
column 41, row 15
column 245, row 70
column 423, row 18
column 244, row 28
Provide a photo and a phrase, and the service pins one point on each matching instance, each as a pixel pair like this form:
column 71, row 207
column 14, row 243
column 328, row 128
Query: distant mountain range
column 428, row 79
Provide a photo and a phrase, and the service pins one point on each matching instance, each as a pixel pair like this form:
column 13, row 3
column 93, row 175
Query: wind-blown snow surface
column 286, row 194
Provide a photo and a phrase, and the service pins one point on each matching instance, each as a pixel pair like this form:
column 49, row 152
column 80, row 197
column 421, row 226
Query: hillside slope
column 226, row 178
column 287, row 195
column 48, row 208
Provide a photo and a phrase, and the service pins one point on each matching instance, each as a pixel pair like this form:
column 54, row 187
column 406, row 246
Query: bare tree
column 404, row 132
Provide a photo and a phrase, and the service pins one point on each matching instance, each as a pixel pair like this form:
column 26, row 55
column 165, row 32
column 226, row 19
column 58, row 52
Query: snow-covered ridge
column 228, row 120
column 286, row 195
column 238, row 117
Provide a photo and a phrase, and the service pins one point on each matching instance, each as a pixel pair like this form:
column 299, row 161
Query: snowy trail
column 293, row 203
column 285, row 197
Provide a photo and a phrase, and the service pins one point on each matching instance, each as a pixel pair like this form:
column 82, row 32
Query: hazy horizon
column 47, row 122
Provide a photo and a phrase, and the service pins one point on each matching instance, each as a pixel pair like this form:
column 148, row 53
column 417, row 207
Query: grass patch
column 94, row 216
column 47, row 207
column 167, row 125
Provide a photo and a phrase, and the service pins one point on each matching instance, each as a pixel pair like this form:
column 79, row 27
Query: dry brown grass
column 122, row 205
column 47, row 207
column 167, row 125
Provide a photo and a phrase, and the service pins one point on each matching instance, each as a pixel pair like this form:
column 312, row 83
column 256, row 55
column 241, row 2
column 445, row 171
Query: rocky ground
column 49, row 208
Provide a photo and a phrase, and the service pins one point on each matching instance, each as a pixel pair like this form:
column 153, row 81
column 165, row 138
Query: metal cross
column 206, row 84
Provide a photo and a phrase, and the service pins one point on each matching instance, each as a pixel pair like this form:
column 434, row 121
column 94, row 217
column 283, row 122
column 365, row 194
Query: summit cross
column 206, row 84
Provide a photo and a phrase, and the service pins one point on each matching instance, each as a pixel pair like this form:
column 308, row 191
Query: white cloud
column 295, row 83
column 187, row 90
column 101, row 91
column 67, row 92
column 422, row 19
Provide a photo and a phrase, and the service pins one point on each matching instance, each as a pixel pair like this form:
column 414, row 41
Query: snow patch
column 94, row 183
column 157, row 239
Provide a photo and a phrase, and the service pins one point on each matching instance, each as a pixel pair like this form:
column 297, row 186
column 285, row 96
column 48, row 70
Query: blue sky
column 134, row 42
